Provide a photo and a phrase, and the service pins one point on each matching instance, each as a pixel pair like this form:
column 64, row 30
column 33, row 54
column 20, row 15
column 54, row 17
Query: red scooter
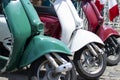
column 106, row 33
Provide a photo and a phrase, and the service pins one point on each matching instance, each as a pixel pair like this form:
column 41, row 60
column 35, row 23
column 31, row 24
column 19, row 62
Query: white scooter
column 87, row 47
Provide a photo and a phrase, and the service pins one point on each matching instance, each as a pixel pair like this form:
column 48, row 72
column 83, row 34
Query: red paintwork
column 95, row 21
column 104, row 32
column 91, row 16
column 52, row 25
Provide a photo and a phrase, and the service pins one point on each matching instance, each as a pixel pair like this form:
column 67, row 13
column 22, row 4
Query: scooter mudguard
column 105, row 32
column 41, row 45
column 83, row 38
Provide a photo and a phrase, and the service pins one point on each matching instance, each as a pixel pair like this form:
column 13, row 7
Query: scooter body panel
column 104, row 32
column 35, row 51
column 69, row 20
column 19, row 27
column 66, row 18
column 83, row 38
column 36, row 25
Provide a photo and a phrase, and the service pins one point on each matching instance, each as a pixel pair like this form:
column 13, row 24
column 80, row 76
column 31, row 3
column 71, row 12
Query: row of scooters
column 92, row 53
column 52, row 40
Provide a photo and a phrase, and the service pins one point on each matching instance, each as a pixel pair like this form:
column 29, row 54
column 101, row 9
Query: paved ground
column 111, row 73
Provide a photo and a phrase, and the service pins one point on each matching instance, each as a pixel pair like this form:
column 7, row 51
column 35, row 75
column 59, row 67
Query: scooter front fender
column 41, row 45
column 105, row 32
column 83, row 38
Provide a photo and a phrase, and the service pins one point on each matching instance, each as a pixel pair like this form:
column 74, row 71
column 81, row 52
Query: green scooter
column 22, row 44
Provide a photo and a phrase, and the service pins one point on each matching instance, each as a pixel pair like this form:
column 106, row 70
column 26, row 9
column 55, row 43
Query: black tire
column 82, row 72
column 112, row 53
column 70, row 75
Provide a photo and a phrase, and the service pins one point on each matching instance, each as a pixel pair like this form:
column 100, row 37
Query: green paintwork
column 41, row 45
column 36, row 24
column 20, row 28
column 24, row 23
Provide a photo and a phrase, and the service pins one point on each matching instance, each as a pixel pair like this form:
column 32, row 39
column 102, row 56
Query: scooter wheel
column 41, row 69
column 88, row 66
column 113, row 52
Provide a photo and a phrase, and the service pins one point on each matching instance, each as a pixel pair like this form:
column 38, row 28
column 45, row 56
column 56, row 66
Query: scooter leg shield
column 41, row 45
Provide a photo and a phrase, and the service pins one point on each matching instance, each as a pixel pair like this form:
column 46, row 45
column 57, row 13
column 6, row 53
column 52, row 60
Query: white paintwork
column 5, row 35
column 4, row 30
column 82, row 38
column 66, row 20
column 69, row 19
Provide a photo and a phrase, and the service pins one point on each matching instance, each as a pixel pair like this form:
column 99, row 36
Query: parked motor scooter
column 62, row 21
column 22, row 43
column 108, row 35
